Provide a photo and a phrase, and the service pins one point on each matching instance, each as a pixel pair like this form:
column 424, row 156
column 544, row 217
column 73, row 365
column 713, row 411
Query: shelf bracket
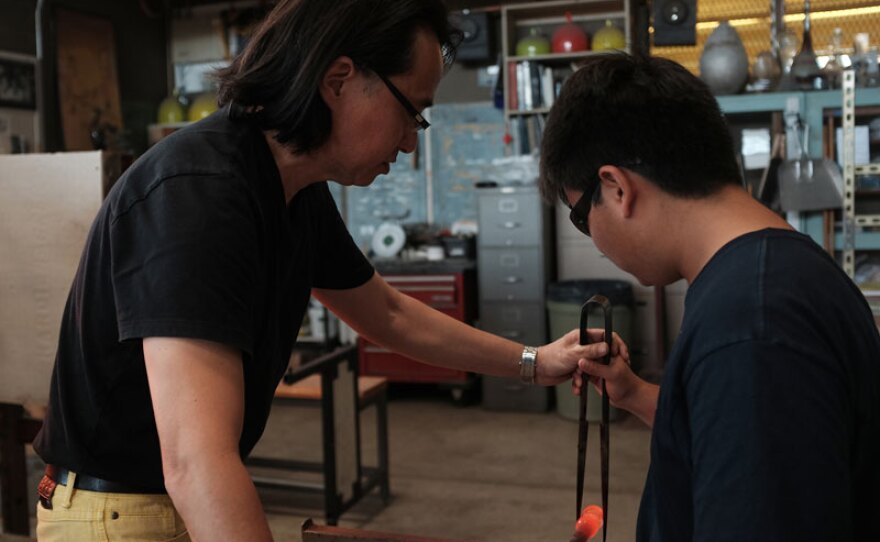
column 849, row 173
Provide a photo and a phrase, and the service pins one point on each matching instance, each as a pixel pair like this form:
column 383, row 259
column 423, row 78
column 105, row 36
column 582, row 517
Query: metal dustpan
column 809, row 184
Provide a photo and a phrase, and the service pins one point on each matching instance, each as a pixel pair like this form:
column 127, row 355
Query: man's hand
column 625, row 389
column 558, row 360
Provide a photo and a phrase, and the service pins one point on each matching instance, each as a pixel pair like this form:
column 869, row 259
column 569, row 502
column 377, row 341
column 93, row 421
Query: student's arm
column 625, row 390
column 770, row 445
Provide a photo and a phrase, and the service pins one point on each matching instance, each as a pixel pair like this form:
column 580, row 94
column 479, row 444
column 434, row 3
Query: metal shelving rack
column 851, row 219
column 811, row 106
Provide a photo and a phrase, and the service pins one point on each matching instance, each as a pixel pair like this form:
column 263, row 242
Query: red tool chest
column 450, row 293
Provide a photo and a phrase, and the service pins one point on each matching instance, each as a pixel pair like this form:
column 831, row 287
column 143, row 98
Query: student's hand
column 558, row 360
column 620, row 381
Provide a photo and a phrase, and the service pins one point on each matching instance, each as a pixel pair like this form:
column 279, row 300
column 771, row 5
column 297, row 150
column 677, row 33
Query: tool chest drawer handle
column 511, row 280
column 396, row 279
column 511, row 333
column 510, row 225
column 425, row 288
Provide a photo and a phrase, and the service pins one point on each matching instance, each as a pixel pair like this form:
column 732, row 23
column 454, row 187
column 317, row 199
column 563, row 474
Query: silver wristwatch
column 528, row 365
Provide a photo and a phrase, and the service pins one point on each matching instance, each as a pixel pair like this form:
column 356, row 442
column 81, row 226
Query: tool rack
column 851, row 219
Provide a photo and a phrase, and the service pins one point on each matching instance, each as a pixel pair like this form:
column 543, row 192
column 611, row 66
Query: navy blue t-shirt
column 768, row 421
column 196, row 240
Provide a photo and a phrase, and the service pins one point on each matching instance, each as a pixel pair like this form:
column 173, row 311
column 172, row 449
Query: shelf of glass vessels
column 555, row 57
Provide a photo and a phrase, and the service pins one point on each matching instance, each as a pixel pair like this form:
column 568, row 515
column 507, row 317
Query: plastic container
column 564, row 301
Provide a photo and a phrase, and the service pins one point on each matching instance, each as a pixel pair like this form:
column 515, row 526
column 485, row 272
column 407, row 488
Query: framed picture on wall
column 18, row 84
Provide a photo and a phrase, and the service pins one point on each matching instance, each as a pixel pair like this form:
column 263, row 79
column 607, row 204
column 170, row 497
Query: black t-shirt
column 194, row 241
column 768, row 422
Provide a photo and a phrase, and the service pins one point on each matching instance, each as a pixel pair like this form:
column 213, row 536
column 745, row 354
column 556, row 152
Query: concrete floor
column 470, row 473
column 465, row 472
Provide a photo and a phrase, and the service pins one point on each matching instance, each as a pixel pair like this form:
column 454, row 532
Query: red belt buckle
column 45, row 490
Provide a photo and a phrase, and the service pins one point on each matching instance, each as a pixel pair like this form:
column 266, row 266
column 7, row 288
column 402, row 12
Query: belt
column 92, row 483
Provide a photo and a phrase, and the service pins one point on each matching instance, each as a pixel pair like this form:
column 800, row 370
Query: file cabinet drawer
column 511, row 274
column 522, row 322
column 510, row 220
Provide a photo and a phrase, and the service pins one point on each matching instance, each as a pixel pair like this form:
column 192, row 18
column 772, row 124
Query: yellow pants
column 88, row 516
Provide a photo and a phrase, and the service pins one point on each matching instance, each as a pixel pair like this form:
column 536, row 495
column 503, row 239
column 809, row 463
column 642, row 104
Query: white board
column 47, row 204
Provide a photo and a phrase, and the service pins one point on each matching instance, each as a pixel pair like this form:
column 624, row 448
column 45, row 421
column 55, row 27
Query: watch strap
column 528, row 365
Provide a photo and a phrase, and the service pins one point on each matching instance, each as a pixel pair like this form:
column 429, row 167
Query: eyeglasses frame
column 580, row 211
column 410, row 108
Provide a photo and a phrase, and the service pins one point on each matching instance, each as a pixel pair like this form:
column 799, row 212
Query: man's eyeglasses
column 421, row 123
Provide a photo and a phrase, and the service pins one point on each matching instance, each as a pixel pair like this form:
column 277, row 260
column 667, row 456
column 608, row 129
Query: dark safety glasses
column 580, row 211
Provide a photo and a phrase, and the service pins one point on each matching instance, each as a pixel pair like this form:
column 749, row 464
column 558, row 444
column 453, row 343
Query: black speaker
column 675, row 22
column 478, row 41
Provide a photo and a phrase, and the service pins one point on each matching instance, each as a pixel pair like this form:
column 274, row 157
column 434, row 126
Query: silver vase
column 724, row 64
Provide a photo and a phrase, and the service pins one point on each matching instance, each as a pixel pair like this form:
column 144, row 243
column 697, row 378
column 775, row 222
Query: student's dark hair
column 275, row 79
column 646, row 114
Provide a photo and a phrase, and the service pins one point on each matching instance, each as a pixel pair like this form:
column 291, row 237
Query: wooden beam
column 16, row 430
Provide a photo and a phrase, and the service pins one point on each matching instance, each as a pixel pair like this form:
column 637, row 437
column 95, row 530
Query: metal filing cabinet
column 514, row 265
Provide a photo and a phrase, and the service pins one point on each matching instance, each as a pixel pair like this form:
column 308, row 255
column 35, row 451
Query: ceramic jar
column 533, row 44
column 608, row 38
column 202, row 106
column 569, row 37
column 170, row 111
column 765, row 71
column 724, row 64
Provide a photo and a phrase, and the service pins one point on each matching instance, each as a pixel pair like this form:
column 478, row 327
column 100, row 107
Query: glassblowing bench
column 331, row 382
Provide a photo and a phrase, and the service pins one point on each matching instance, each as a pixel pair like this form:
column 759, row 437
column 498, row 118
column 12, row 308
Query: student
column 766, row 426
column 198, row 270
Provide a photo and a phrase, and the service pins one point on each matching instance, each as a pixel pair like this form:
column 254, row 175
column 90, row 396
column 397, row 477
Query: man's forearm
column 220, row 503
column 425, row 334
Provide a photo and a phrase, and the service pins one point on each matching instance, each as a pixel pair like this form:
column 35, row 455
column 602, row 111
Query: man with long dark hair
column 766, row 426
column 200, row 264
